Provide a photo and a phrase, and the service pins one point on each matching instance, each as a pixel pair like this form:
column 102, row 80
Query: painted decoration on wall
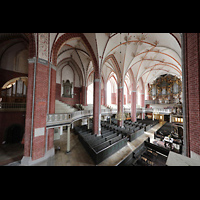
column 43, row 46
column 67, row 89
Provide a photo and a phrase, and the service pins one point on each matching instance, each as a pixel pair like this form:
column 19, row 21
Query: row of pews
column 165, row 130
column 101, row 147
column 148, row 122
column 137, row 128
column 147, row 154
column 112, row 139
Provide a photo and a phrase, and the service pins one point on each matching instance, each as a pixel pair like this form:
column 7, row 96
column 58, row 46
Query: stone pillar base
column 27, row 161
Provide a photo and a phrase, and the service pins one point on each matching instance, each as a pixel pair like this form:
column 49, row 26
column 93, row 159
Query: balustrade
column 53, row 119
column 61, row 118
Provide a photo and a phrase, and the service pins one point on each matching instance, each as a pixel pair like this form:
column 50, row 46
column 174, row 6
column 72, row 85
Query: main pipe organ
column 166, row 89
column 14, row 90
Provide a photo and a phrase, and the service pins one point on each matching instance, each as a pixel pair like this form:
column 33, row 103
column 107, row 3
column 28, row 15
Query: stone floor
column 78, row 155
column 10, row 153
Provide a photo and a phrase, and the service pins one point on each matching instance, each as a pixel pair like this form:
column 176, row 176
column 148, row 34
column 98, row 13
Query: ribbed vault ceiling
column 148, row 55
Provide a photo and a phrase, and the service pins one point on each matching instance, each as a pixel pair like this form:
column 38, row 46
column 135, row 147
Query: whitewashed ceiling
column 148, row 55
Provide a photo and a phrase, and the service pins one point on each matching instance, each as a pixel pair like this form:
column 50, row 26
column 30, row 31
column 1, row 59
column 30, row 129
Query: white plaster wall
column 15, row 59
column 67, row 74
column 21, row 61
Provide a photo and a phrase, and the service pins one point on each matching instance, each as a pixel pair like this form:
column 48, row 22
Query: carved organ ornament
column 166, row 88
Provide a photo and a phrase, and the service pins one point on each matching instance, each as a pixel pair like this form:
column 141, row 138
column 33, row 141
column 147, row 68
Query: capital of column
column 41, row 61
column 32, row 60
column 96, row 80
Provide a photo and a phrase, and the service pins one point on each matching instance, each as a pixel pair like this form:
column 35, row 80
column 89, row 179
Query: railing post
column 88, row 123
column 68, row 138
column 61, row 130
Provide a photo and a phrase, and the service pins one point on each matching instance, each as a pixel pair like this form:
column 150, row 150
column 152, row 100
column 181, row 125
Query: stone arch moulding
column 58, row 44
column 87, row 79
column 116, row 66
column 132, row 79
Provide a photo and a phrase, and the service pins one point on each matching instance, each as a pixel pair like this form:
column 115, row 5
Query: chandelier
column 166, row 88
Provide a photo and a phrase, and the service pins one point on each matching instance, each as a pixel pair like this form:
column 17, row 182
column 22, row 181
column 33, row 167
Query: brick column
column 97, row 107
column 120, row 108
column 191, row 74
column 102, row 97
column 105, row 94
column 142, row 103
column 142, row 99
column 84, row 96
column 133, row 106
column 29, row 107
column 38, row 96
column 52, row 96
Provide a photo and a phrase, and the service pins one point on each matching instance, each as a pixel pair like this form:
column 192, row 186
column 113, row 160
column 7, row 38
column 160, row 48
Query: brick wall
column 9, row 118
column 70, row 101
column 96, row 104
column 133, row 106
column 192, row 88
column 83, row 95
column 27, row 137
column 40, row 110
column 58, row 91
column 52, row 92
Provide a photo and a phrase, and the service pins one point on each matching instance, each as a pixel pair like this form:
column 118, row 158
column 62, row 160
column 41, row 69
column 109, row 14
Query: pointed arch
column 115, row 64
column 132, row 79
column 62, row 39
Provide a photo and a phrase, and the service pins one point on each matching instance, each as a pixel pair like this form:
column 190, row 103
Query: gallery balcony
column 160, row 102
column 12, row 106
